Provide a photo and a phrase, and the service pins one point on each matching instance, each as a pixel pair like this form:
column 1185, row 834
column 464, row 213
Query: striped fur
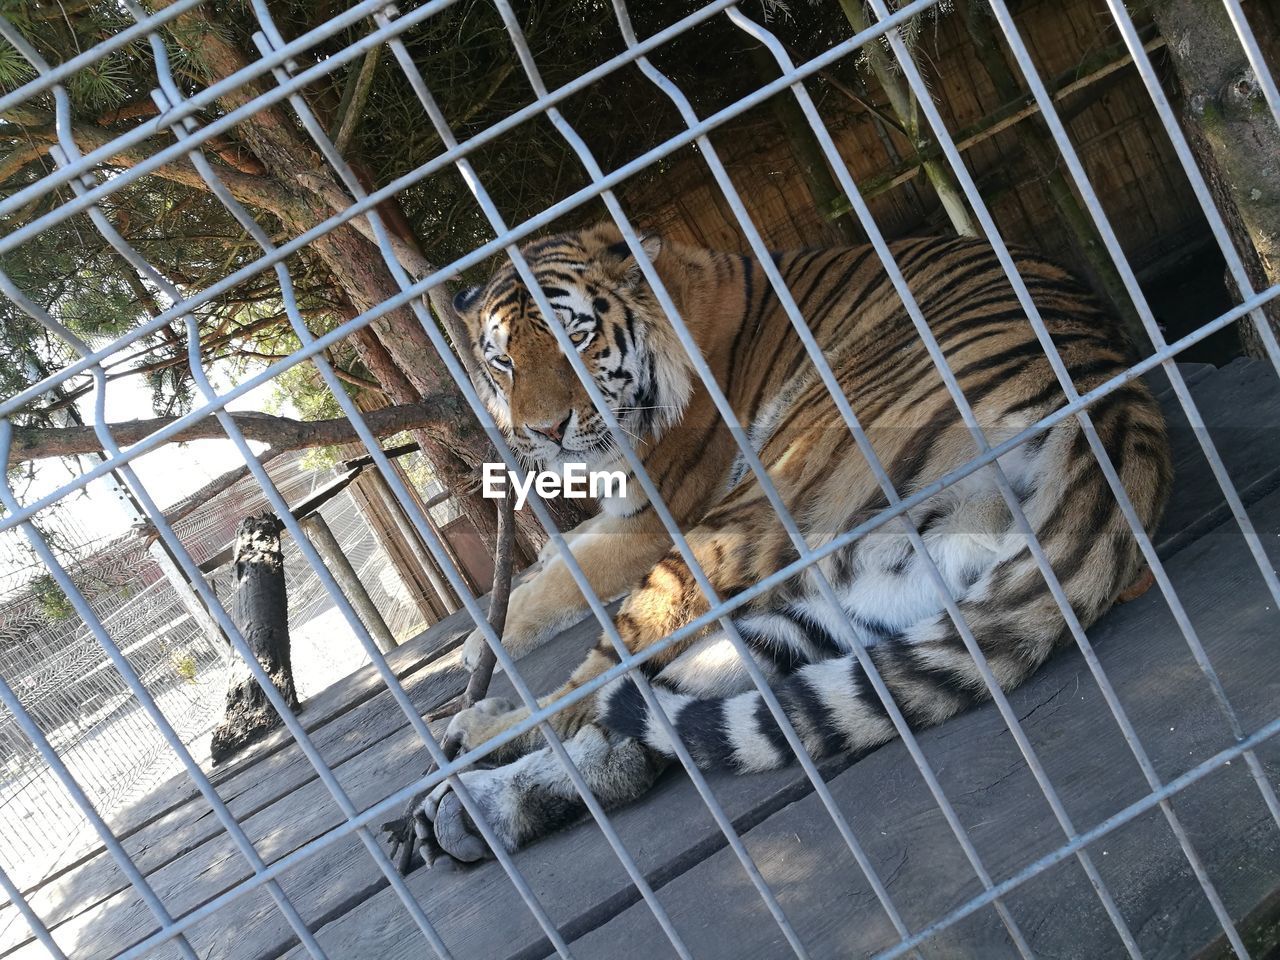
column 888, row 601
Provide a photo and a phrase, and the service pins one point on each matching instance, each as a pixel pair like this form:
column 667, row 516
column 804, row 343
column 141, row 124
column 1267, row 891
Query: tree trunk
column 261, row 613
column 902, row 104
column 308, row 192
column 828, row 199
column 1036, row 141
column 395, row 348
column 1232, row 134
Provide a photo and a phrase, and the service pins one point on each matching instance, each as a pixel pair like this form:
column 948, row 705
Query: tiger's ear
column 630, row 272
column 465, row 302
column 465, row 299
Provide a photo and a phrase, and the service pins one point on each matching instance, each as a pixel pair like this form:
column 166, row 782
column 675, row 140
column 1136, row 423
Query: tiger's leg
column 735, row 545
column 613, row 552
column 532, row 795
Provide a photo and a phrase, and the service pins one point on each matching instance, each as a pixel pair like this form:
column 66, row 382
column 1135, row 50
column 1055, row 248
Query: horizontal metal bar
column 967, row 414
column 1182, row 150
column 533, row 224
column 937, row 126
column 819, row 362
column 1118, row 819
column 228, row 120
column 391, row 803
column 142, row 446
column 34, row 923
column 28, row 726
column 1098, row 214
column 208, row 97
column 276, row 59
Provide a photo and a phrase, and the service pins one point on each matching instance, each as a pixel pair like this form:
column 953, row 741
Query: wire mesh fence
column 58, row 671
column 196, row 117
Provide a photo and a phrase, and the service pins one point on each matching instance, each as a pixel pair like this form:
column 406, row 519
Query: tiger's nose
column 554, row 433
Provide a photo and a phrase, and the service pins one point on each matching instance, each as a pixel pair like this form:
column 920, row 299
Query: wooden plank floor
column 179, row 845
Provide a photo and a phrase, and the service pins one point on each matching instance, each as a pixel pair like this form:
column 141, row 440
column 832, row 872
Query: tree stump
column 261, row 613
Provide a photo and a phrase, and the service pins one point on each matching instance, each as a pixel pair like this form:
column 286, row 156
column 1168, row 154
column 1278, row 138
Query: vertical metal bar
column 393, row 684
column 943, row 137
column 61, row 154
column 1152, row 328
column 1181, row 390
column 170, row 96
column 318, row 135
column 1146, row 70
column 37, row 737
column 480, row 253
column 330, row 550
column 370, row 842
column 815, row 354
column 876, row 237
column 1254, row 55
column 38, row 929
column 700, row 366
column 108, row 232
column 121, row 663
column 500, row 852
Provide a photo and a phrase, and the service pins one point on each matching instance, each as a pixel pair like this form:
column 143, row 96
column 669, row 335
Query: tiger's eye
column 502, row 361
column 577, row 339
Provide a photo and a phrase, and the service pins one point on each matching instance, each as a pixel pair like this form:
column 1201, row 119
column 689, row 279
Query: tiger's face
column 613, row 322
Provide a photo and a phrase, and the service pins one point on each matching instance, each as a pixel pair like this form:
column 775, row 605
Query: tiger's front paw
column 443, row 817
column 473, row 726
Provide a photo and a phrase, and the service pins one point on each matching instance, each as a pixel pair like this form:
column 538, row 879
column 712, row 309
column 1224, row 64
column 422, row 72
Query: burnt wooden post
column 261, row 613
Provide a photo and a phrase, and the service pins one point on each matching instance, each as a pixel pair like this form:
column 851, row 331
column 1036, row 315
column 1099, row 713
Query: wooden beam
column 1002, row 119
column 344, row 573
column 318, row 499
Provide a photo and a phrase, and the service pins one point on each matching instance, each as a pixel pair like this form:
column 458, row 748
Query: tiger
column 888, row 600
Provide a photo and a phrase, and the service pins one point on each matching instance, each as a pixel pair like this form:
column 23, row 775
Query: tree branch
column 242, row 173
column 12, row 162
column 281, row 433
column 354, row 97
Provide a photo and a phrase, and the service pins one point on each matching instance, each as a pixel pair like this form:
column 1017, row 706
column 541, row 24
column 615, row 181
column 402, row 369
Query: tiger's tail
column 927, row 669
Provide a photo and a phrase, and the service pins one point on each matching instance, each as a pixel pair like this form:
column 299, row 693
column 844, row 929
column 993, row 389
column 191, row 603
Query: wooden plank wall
column 1124, row 148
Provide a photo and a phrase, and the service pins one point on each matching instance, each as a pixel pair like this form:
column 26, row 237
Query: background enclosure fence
column 64, row 680
column 277, row 77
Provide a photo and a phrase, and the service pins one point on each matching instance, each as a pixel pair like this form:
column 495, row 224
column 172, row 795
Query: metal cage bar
column 178, row 115
column 938, row 128
column 9, row 241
